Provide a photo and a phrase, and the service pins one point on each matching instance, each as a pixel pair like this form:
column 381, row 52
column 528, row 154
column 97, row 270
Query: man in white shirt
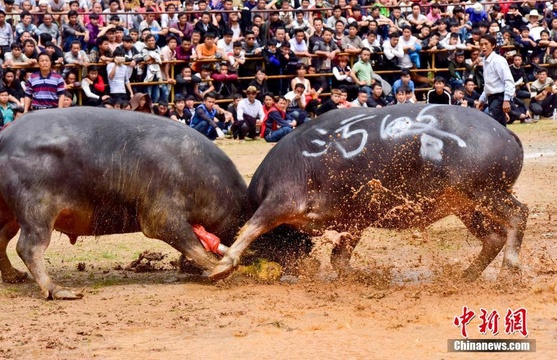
column 226, row 45
column 249, row 114
column 499, row 83
column 408, row 43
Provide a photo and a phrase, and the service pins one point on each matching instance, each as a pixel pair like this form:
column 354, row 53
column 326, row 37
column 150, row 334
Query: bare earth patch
column 401, row 306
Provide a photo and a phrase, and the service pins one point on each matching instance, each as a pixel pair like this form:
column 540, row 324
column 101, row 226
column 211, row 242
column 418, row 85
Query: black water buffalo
column 398, row 167
column 90, row 171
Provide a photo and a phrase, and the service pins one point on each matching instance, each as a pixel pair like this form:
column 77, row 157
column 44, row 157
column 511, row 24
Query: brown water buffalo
column 90, row 171
column 399, row 167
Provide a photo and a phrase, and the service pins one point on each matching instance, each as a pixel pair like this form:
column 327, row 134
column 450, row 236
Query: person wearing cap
column 499, row 86
column 249, row 115
column 44, row 89
column 6, row 33
column 477, row 14
column 534, row 25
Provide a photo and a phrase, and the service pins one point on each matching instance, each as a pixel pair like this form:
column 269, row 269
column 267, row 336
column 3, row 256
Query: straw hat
column 478, row 8
column 532, row 13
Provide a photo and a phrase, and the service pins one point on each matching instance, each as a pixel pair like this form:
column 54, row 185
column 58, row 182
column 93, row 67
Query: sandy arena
column 407, row 314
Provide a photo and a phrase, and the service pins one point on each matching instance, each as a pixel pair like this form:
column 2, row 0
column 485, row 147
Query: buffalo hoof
column 64, row 294
column 470, row 275
column 509, row 276
column 224, row 268
column 13, row 277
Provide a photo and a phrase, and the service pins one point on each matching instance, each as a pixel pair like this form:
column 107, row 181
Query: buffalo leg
column 515, row 233
column 176, row 232
column 9, row 274
column 32, row 244
column 492, row 237
column 501, row 222
column 259, row 224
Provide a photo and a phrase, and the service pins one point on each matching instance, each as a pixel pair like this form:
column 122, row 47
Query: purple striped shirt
column 44, row 91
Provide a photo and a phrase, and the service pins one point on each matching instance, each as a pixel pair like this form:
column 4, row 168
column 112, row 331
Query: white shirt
column 497, row 78
column 298, row 47
column 254, row 109
column 227, row 48
column 405, row 62
column 390, row 52
column 118, row 83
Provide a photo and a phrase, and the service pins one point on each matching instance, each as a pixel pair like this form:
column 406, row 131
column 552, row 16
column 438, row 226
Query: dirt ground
column 168, row 315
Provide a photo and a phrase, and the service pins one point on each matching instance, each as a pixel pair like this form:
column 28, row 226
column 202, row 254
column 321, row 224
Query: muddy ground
column 167, row 315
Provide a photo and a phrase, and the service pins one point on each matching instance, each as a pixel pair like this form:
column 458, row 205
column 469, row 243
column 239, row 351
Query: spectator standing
column 44, row 89
column 326, row 50
column 118, row 78
column 6, row 33
column 499, row 84
column 362, row 73
column 93, row 87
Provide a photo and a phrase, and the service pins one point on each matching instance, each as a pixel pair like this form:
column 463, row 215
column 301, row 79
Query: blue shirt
column 398, row 84
column 7, row 115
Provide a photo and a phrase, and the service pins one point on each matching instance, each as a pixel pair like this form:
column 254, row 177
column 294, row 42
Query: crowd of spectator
column 317, row 56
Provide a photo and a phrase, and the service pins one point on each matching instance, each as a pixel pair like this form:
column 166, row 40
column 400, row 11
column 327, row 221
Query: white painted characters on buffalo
column 424, row 125
column 345, row 133
column 431, row 137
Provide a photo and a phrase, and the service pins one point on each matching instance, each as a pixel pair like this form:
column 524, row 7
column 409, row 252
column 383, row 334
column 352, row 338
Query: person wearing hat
column 141, row 102
column 499, row 86
column 6, row 33
column 477, row 14
column 534, row 24
column 249, row 115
